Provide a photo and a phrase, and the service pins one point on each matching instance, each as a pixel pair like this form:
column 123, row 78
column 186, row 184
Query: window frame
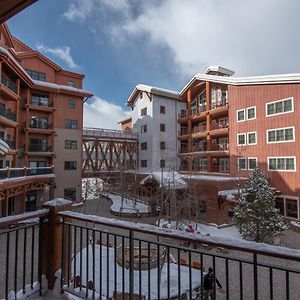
column 144, row 111
column 162, row 109
column 162, row 127
column 145, row 146
column 277, row 101
column 144, row 128
column 72, row 124
column 247, row 109
column 162, row 143
column 285, row 198
column 162, row 163
column 144, row 163
column 282, row 157
column 246, row 165
column 237, row 115
column 237, row 139
column 72, row 167
column 277, row 129
column 73, row 189
column 251, row 144
column 73, row 105
column 71, row 144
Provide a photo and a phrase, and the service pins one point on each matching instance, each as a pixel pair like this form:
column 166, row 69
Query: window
column 162, row 127
column 281, row 135
column 70, row 144
column 241, row 115
column 252, row 163
column 70, row 165
column 144, row 111
column 251, row 113
column 280, row 107
column 242, row 164
column 241, row 139
column 71, row 103
column 40, row 100
column 251, row 137
column 39, row 122
column 36, row 75
column 162, row 109
column 162, row 163
column 70, row 83
column 144, row 163
column 282, row 164
column 162, row 145
column 71, row 124
column 38, row 145
column 70, row 194
column 141, row 95
column 144, row 146
column 288, row 206
column 143, row 128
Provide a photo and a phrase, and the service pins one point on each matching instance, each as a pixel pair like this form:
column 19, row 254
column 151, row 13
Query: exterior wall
column 67, row 178
column 240, row 97
column 153, row 154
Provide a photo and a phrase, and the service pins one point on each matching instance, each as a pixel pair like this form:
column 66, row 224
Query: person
column 209, row 284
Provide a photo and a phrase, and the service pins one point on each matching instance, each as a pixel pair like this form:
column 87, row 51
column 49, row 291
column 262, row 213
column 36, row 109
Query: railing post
column 255, row 276
column 52, row 244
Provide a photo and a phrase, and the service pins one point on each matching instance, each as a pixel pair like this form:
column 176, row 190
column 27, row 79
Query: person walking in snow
column 209, row 285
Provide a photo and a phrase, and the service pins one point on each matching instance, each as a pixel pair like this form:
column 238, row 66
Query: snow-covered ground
column 203, row 229
column 127, row 206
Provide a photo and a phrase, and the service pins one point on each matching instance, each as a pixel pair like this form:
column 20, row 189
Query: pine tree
column 256, row 216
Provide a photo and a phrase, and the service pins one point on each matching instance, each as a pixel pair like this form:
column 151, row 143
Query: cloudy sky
column 118, row 44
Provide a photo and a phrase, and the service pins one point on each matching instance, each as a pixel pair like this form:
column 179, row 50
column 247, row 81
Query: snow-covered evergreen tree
column 255, row 215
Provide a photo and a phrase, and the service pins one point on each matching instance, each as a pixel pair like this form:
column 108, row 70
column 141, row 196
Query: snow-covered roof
column 58, row 202
column 151, row 90
column 218, row 69
column 230, row 194
column 167, row 179
column 211, row 177
column 127, row 118
column 61, row 87
column 253, row 80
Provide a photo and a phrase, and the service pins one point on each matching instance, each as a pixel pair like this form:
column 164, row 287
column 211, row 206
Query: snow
column 295, row 223
column 58, row 202
column 196, row 275
column 16, row 179
column 230, row 194
column 58, row 86
column 128, row 206
column 77, row 204
column 167, row 179
column 212, row 177
column 25, row 216
column 228, row 242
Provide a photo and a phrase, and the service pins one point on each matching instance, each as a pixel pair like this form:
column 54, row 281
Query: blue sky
column 120, row 43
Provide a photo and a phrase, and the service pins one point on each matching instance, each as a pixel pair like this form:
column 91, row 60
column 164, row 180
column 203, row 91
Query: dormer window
column 70, row 83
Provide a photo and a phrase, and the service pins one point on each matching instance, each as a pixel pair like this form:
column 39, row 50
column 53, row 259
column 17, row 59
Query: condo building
column 41, row 116
column 153, row 117
column 226, row 126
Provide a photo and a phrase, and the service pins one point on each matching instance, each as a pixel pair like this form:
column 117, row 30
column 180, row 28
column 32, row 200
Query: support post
column 52, row 240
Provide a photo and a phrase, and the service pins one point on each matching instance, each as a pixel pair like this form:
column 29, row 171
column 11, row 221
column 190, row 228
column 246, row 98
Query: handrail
column 11, row 220
column 8, row 83
column 244, row 246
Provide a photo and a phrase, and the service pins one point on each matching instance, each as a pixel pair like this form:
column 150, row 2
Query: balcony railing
column 198, row 110
column 183, row 131
column 182, row 114
column 184, row 149
column 109, row 133
column 40, row 125
column 220, row 169
column 200, row 128
column 219, row 104
column 200, row 168
column 200, row 148
column 21, row 172
column 216, row 126
column 125, row 260
column 8, row 113
column 8, row 83
column 39, row 148
column 219, row 147
column 10, row 143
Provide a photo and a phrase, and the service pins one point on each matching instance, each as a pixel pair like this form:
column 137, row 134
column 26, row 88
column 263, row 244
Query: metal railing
column 220, row 169
column 108, row 133
column 219, row 147
column 8, row 83
column 116, row 260
column 10, row 143
column 217, row 125
column 219, row 104
column 112, row 259
column 39, row 148
column 8, row 113
column 21, row 253
column 199, row 128
column 40, row 125
column 21, row 172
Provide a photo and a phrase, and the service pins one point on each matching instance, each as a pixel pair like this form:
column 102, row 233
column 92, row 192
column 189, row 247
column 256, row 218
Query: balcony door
column 224, row 165
column 31, row 201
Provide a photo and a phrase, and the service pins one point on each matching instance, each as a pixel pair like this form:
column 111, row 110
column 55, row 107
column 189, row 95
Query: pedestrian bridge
column 106, row 151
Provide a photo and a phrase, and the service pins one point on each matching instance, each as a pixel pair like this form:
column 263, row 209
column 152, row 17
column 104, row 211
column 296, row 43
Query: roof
column 151, row 90
column 253, row 80
column 218, row 69
column 171, row 180
column 125, row 119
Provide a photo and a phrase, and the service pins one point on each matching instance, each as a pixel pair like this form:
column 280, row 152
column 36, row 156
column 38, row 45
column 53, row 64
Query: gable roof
column 151, row 90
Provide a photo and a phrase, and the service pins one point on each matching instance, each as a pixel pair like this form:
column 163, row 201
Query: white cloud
column 79, row 11
column 63, row 53
column 251, row 37
column 102, row 114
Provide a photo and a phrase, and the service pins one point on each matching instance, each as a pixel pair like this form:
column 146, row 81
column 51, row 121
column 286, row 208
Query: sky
column 118, row 44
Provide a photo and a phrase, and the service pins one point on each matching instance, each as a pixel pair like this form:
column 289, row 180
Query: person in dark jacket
column 209, row 283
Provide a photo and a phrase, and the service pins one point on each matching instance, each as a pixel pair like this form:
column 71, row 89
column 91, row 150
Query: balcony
column 200, row 148
column 39, row 148
column 199, row 168
column 219, row 147
column 23, row 172
column 199, row 128
column 198, row 110
column 111, row 259
column 10, row 143
column 219, row 104
column 9, row 84
column 8, row 113
column 220, row 169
